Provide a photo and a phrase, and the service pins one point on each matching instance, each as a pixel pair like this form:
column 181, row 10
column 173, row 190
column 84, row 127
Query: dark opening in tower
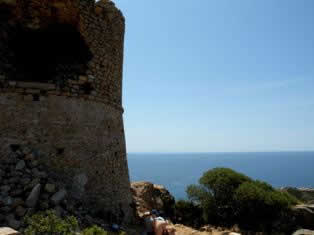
column 52, row 54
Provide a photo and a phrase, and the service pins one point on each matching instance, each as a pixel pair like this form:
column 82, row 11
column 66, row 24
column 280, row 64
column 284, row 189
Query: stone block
column 8, row 231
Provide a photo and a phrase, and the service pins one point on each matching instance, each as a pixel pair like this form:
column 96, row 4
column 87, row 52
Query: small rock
column 25, row 181
column 59, row 211
column 44, row 196
column 30, row 212
column 20, row 165
column 8, row 201
column 42, row 174
column 50, row 188
column 14, row 180
column 17, row 202
column 17, row 192
column 5, row 188
column 14, row 223
column 29, row 157
column 9, row 217
column 20, row 211
column 5, row 209
column 26, row 150
column 34, row 163
column 34, row 183
column 44, row 205
column 32, row 199
column 89, row 219
column 58, row 196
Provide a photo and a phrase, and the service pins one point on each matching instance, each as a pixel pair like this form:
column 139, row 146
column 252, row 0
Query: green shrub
column 95, row 230
column 188, row 213
column 258, row 206
column 49, row 223
column 296, row 193
column 228, row 197
column 214, row 194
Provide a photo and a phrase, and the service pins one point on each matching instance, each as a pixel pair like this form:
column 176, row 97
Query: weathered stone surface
column 20, row 165
column 17, row 202
column 32, row 199
column 50, row 188
column 20, row 211
column 67, row 112
column 304, row 216
column 58, row 196
column 14, row 223
column 148, row 196
column 8, row 201
column 5, row 188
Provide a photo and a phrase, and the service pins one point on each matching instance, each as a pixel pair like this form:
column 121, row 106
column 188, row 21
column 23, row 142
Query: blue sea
column 177, row 170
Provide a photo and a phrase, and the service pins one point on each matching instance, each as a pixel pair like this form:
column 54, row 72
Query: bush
column 259, row 208
column 228, row 197
column 214, row 194
column 49, row 223
column 188, row 213
column 95, row 230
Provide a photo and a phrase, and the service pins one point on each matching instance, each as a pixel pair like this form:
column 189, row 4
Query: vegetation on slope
column 226, row 197
column 49, row 223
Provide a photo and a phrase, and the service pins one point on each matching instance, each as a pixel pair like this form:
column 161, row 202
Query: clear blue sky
column 218, row 75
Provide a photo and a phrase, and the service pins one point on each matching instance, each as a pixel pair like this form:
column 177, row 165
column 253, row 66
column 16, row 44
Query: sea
column 178, row 170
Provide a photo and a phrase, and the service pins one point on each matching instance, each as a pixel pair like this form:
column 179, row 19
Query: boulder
column 20, row 165
column 303, row 232
column 32, row 199
column 58, row 196
column 50, row 188
column 304, row 215
column 8, row 231
column 12, row 222
column 148, row 196
column 20, row 211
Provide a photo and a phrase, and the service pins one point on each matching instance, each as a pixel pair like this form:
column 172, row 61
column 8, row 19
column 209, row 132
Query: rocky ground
column 26, row 188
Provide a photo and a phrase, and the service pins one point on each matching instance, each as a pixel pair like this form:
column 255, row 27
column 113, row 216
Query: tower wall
column 60, row 94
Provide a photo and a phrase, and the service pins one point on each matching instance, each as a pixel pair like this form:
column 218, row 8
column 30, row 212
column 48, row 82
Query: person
column 148, row 221
column 160, row 224
column 161, row 227
column 156, row 225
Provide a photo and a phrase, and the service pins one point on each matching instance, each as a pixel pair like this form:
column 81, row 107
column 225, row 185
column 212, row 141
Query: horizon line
column 264, row 151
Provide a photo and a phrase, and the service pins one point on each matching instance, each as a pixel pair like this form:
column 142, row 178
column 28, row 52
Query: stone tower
column 60, row 94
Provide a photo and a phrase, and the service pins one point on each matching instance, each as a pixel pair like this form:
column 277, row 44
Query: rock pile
column 26, row 188
column 304, row 215
column 148, row 196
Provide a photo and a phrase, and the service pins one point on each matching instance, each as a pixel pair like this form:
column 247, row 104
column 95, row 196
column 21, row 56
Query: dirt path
column 183, row 230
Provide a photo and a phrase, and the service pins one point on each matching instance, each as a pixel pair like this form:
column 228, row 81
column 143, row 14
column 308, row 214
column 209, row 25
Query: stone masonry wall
column 68, row 109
